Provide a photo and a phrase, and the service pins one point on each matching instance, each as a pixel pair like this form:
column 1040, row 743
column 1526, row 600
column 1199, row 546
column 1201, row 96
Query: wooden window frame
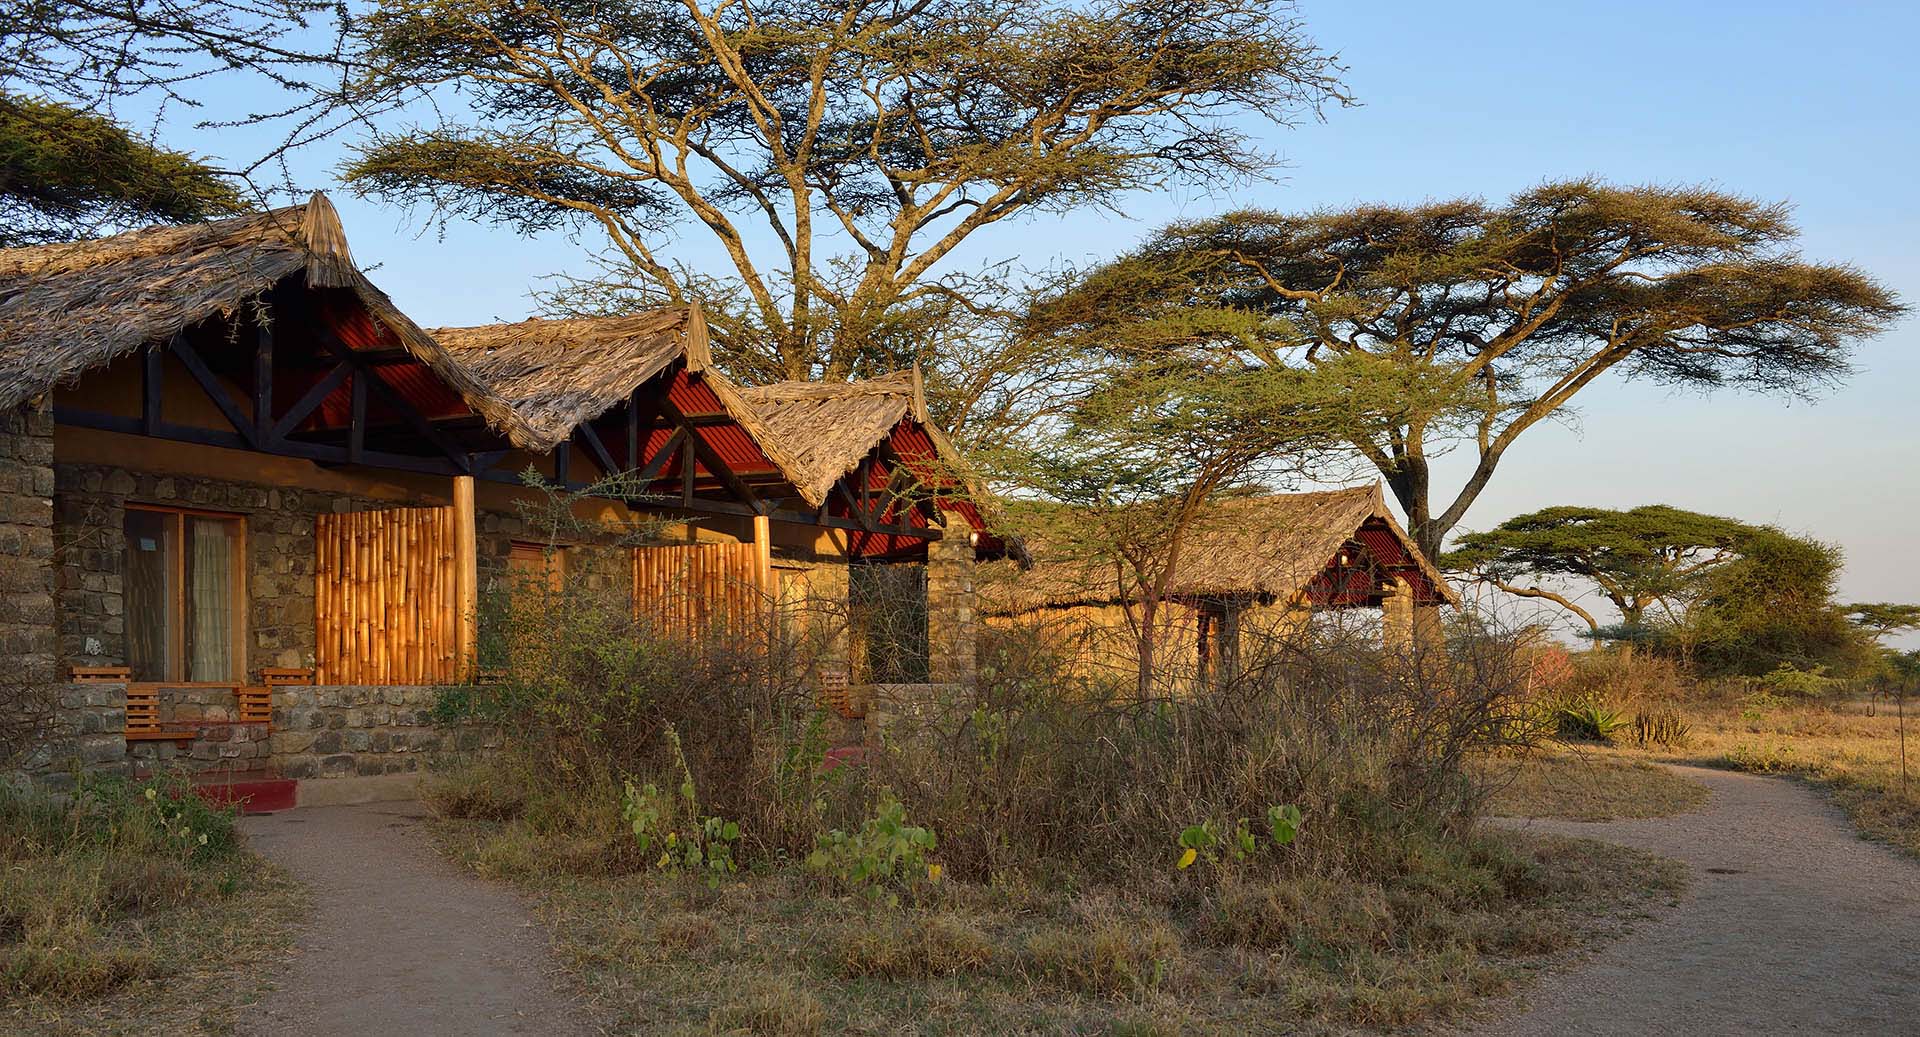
column 556, row 562
column 242, row 606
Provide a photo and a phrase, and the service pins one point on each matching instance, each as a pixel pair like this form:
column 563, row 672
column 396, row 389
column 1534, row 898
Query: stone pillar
column 29, row 636
column 1396, row 617
column 1428, row 634
column 952, row 619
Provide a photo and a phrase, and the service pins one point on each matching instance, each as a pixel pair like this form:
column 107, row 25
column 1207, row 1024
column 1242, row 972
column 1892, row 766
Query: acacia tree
column 1637, row 559
column 65, row 173
column 839, row 153
column 1527, row 303
column 1881, row 618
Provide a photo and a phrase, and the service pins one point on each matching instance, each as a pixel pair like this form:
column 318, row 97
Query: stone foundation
column 331, row 732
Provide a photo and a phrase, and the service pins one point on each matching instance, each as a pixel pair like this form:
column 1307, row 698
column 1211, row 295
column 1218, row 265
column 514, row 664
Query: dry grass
column 105, row 933
column 1837, row 745
column 1232, row 951
column 1587, row 786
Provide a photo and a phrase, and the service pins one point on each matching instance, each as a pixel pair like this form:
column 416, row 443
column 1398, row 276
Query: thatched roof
column 1268, row 546
column 68, row 308
column 559, row 373
column 831, row 426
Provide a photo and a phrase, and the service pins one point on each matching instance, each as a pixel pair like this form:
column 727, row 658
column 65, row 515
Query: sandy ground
column 402, row 942
column 1795, row 925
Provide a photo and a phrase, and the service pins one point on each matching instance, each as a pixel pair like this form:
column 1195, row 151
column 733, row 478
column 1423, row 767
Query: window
column 184, row 595
column 887, row 614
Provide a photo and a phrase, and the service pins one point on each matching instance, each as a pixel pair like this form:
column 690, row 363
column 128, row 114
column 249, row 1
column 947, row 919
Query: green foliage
column 1771, row 606
column 1216, row 843
column 689, row 842
column 1648, row 555
column 1527, row 300
column 885, row 856
column 1883, row 617
column 1788, row 681
column 67, row 173
column 1589, row 721
column 725, row 115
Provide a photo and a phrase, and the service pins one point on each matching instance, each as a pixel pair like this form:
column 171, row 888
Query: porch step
column 262, row 794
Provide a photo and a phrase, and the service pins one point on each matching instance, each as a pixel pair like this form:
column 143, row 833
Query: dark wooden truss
column 411, row 441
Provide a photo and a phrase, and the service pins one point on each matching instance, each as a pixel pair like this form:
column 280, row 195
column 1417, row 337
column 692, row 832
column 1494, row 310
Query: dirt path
column 1794, row 925
column 402, row 942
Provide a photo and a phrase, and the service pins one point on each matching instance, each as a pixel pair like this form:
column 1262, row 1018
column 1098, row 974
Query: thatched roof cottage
column 1250, row 567
column 230, row 468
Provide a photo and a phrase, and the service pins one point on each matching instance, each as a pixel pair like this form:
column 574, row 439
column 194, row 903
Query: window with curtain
column 183, row 595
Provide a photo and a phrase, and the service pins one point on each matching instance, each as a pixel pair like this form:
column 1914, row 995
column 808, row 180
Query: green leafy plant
column 1589, row 722
column 689, row 841
column 1788, row 681
column 885, row 856
column 1209, row 840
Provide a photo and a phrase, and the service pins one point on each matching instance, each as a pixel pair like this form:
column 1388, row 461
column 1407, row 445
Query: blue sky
column 1810, row 103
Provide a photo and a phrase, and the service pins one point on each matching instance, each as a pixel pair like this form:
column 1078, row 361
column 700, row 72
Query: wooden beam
column 212, row 386
column 608, row 468
column 652, row 470
column 563, row 464
column 714, row 462
column 309, row 403
column 317, row 452
column 391, row 397
column 686, row 471
column 262, row 384
column 466, row 578
column 357, row 424
column 153, row 366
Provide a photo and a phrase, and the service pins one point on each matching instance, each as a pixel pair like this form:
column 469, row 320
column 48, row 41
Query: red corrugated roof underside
column 917, row 453
column 1374, row 557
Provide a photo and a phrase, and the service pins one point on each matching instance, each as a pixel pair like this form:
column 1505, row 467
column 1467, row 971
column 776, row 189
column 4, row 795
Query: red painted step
column 253, row 795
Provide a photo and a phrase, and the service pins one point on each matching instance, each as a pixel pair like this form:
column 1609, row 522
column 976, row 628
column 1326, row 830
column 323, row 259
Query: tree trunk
column 1149, row 610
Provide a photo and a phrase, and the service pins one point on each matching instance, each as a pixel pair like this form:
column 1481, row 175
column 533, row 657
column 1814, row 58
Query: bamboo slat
column 694, row 591
column 384, row 601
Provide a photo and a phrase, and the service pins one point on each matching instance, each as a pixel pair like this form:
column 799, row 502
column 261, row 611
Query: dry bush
column 1047, row 766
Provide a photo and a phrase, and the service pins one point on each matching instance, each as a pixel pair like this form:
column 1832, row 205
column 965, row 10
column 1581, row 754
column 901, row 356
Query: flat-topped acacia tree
column 1649, row 556
column 838, row 152
column 1523, row 303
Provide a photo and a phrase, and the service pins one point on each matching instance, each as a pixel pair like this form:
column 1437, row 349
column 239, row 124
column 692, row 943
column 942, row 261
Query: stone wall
column 334, row 732
column 32, row 708
column 952, row 620
column 84, row 734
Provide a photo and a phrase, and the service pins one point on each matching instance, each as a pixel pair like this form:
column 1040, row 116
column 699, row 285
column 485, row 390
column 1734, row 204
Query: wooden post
column 763, row 553
column 466, row 579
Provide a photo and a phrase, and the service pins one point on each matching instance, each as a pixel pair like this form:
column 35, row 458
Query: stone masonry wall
column 26, row 544
column 952, row 620
column 334, row 732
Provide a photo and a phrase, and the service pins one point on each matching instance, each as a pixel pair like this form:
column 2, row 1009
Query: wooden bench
column 101, row 675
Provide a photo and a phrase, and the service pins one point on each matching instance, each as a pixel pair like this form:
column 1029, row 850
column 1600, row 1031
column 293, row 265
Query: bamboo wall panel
column 699, row 591
column 385, row 597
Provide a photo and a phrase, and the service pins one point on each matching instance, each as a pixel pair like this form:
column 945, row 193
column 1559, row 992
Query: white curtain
column 210, row 624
